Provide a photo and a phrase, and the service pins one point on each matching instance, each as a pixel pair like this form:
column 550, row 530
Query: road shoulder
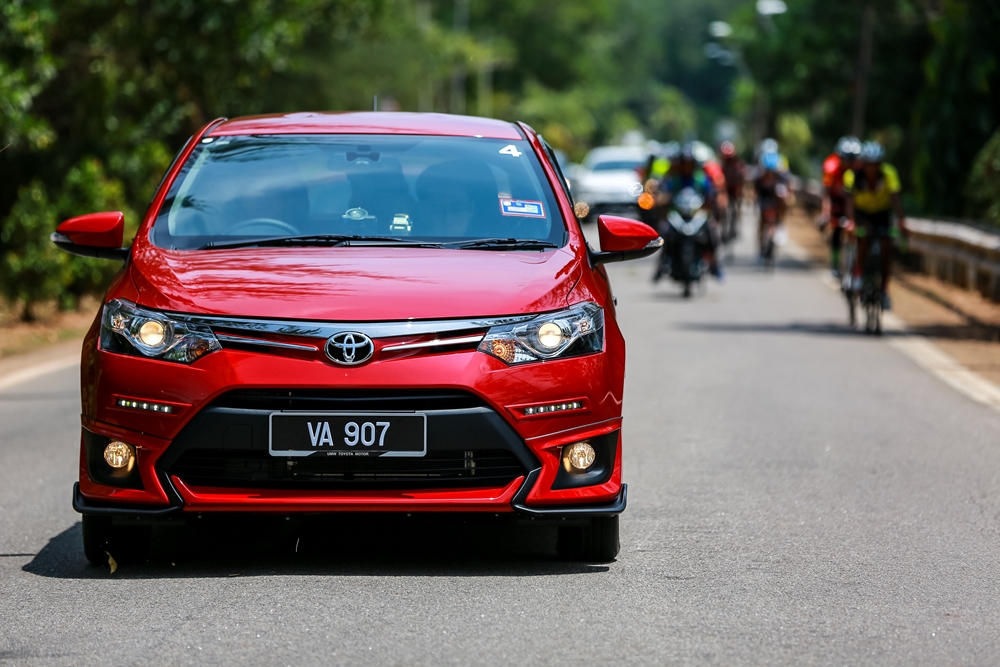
column 952, row 333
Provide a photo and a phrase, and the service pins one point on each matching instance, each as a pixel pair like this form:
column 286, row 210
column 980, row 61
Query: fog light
column 578, row 457
column 119, row 455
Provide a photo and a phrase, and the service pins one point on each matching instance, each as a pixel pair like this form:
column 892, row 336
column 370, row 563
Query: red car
column 358, row 312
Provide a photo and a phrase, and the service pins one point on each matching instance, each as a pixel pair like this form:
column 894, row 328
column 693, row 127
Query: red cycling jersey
column 833, row 182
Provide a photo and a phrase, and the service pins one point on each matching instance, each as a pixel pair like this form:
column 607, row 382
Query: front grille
column 352, row 399
column 443, row 469
column 227, row 443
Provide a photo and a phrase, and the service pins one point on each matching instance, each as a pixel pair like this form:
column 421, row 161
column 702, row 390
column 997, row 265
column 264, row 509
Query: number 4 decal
column 511, row 150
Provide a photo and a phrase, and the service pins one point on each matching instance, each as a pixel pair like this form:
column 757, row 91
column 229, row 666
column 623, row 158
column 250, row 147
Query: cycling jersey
column 770, row 186
column 733, row 171
column 834, row 171
column 659, row 169
column 714, row 171
column 873, row 200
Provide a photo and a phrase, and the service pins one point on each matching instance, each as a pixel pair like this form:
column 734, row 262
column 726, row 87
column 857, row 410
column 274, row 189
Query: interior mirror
column 623, row 239
column 93, row 235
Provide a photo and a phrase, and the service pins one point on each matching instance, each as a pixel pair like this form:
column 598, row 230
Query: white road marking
column 931, row 357
column 38, row 370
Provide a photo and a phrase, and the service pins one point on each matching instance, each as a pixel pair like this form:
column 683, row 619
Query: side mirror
column 93, row 235
column 623, row 239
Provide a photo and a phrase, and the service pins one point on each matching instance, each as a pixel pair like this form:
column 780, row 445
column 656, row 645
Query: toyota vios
column 352, row 313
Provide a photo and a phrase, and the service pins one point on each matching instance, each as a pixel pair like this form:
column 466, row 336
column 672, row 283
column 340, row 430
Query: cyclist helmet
column 848, row 147
column 770, row 160
column 768, row 146
column 872, row 151
column 686, row 153
column 671, row 150
column 727, row 149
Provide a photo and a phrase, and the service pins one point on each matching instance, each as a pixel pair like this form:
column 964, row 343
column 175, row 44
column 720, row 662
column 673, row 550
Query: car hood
column 354, row 284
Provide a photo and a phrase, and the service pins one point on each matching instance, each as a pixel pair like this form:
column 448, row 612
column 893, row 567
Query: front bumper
column 209, row 454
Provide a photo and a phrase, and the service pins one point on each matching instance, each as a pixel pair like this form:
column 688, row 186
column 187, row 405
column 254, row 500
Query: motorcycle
column 685, row 232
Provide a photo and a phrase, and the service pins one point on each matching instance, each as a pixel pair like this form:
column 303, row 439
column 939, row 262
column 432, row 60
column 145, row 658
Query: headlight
column 578, row 330
column 129, row 329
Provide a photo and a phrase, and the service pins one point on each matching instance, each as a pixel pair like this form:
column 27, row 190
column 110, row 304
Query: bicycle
column 768, row 231
column 731, row 222
column 869, row 296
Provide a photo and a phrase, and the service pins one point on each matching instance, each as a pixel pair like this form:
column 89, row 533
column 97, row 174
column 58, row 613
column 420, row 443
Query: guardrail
column 958, row 254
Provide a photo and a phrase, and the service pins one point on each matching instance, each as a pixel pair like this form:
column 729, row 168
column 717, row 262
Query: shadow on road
column 383, row 545
column 809, row 328
column 71, row 394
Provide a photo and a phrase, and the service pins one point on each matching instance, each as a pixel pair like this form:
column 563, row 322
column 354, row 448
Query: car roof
column 370, row 122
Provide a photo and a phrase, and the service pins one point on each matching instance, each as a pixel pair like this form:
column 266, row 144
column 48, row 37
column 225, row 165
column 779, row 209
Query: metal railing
column 958, row 254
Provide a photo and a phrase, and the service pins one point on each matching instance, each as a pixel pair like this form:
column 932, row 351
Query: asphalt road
column 799, row 495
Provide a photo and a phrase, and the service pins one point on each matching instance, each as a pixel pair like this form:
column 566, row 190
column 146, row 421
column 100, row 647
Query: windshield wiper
column 503, row 244
column 330, row 240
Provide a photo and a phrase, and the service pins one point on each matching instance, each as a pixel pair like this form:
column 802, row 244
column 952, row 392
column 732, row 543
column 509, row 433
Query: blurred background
column 96, row 96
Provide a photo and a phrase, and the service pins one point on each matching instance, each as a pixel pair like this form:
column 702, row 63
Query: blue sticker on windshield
column 522, row 208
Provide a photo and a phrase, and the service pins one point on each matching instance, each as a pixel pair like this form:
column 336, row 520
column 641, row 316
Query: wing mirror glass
column 93, row 235
column 623, row 239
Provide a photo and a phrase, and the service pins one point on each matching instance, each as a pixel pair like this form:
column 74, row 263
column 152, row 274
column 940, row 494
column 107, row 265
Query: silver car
column 608, row 179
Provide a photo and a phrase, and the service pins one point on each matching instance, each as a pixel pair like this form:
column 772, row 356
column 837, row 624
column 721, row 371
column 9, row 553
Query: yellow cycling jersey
column 877, row 199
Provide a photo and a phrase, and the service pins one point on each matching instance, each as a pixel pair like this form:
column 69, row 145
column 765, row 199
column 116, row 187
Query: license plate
column 348, row 434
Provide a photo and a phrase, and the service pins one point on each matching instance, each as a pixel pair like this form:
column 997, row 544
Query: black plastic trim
column 84, row 506
column 63, row 242
column 610, row 257
column 617, row 506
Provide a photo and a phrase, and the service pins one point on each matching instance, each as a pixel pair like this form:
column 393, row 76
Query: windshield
column 616, row 165
column 412, row 188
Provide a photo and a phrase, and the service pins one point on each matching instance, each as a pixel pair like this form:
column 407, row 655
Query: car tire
column 126, row 544
column 596, row 542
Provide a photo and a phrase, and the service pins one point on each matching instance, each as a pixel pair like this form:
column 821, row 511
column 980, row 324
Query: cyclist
column 734, row 171
column 650, row 175
column 873, row 198
column 844, row 158
column 684, row 173
column 772, row 190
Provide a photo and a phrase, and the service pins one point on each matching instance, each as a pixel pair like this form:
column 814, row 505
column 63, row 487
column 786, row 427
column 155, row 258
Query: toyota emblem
column 349, row 348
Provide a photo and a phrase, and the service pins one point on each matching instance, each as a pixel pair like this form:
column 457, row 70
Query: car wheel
column 126, row 544
column 596, row 542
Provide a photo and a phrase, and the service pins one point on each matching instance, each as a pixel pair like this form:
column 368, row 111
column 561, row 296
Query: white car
column 608, row 179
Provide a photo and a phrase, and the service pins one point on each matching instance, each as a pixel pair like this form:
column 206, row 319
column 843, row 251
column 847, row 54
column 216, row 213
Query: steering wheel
column 270, row 222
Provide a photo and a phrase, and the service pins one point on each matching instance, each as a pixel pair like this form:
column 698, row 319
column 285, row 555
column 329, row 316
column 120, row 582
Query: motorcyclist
column 734, row 171
column 772, row 190
column 684, row 173
column 846, row 157
column 873, row 196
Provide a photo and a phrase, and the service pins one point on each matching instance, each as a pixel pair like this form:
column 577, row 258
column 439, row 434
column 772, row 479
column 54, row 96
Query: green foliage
column 959, row 108
column 795, row 136
column 25, row 69
column 30, row 266
column 933, row 90
column 983, row 189
column 675, row 116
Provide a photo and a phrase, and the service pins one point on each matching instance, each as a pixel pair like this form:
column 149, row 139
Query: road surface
column 798, row 495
